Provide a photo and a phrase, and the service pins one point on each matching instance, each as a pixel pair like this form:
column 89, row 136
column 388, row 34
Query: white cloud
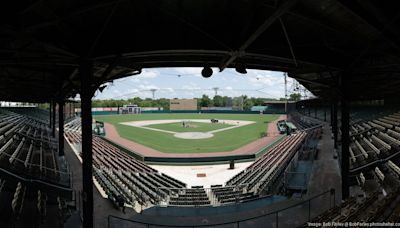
column 191, row 84
column 146, row 86
column 196, row 71
column 148, row 73
column 169, row 89
column 265, row 80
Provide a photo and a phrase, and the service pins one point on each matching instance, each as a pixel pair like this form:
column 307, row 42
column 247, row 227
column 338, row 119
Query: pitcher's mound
column 193, row 135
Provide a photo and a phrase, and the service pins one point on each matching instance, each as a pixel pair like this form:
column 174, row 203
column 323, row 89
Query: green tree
column 228, row 101
column 164, row 103
column 218, row 101
column 247, row 103
column 295, row 97
column 205, row 101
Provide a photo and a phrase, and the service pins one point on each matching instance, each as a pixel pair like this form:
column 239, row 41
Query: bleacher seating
column 232, row 194
column 73, row 125
column 26, row 147
column 27, row 150
column 121, row 174
column 375, row 207
column 262, row 170
column 19, row 204
column 374, row 162
column 36, row 114
column 301, row 122
column 190, row 197
column 374, row 140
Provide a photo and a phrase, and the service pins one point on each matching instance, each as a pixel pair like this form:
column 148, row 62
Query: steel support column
column 61, row 128
column 315, row 111
column 53, row 127
column 71, row 113
column 85, row 71
column 325, row 113
column 334, row 124
column 345, row 125
column 50, row 114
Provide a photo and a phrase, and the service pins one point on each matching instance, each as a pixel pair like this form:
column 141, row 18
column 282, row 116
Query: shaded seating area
column 301, row 122
column 121, row 174
column 27, row 149
column 374, row 207
column 24, row 206
column 195, row 196
column 375, row 140
column 258, row 174
column 232, row 194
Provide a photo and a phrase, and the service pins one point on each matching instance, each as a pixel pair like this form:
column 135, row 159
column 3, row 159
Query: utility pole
column 285, row 78
column 286, row 95
column 216, row 90
column 153, row 91
column 242, row 102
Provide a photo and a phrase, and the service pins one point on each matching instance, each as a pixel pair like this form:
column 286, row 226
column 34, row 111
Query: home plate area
column 193, row 135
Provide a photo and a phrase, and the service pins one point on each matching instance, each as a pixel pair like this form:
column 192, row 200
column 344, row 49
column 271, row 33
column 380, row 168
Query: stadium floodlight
column 206, row 72
column 241, row 68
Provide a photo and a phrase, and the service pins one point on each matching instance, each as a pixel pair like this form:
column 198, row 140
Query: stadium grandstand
column 332, row 159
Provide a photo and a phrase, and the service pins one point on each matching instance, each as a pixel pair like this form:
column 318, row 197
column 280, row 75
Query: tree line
column 237, row 103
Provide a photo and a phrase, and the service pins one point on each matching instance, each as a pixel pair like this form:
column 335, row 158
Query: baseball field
column 191, row 132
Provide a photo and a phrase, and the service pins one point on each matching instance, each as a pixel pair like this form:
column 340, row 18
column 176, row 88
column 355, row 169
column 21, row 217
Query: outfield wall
column 268, row 111
column 271, row 111
column 199, row 160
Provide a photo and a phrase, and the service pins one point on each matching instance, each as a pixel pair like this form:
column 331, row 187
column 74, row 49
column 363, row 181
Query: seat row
column 374, row 139
column 267, row 166
column 26, row 147
column 193, row 197
column 121, row 174
column 375, row 207
column 20, row 203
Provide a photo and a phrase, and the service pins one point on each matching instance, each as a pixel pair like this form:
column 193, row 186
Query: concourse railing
column 296, row 214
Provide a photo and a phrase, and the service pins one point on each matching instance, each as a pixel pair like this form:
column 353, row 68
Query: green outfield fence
column 192, row 160
column 268, row 111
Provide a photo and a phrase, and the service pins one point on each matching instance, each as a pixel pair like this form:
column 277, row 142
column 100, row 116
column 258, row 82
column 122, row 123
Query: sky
column 187, row 82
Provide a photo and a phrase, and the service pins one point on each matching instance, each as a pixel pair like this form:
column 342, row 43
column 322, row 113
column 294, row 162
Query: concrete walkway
column 326, row 172
column 102, row 207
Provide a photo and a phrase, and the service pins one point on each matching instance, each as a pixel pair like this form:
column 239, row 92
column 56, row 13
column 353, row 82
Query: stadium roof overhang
column 44, row 42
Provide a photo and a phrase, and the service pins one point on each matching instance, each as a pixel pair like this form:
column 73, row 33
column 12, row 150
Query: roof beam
column 282, row 9
column 369, row 7
column 381, row 31
column 109, row 68
column 312, row 82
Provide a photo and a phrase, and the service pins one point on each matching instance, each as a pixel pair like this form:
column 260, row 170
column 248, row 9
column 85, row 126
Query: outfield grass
column 222, row 141
column 190, row 126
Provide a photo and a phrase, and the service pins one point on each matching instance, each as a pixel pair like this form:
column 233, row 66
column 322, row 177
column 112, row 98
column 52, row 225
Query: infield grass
column 190, row 126
column 223, row 141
